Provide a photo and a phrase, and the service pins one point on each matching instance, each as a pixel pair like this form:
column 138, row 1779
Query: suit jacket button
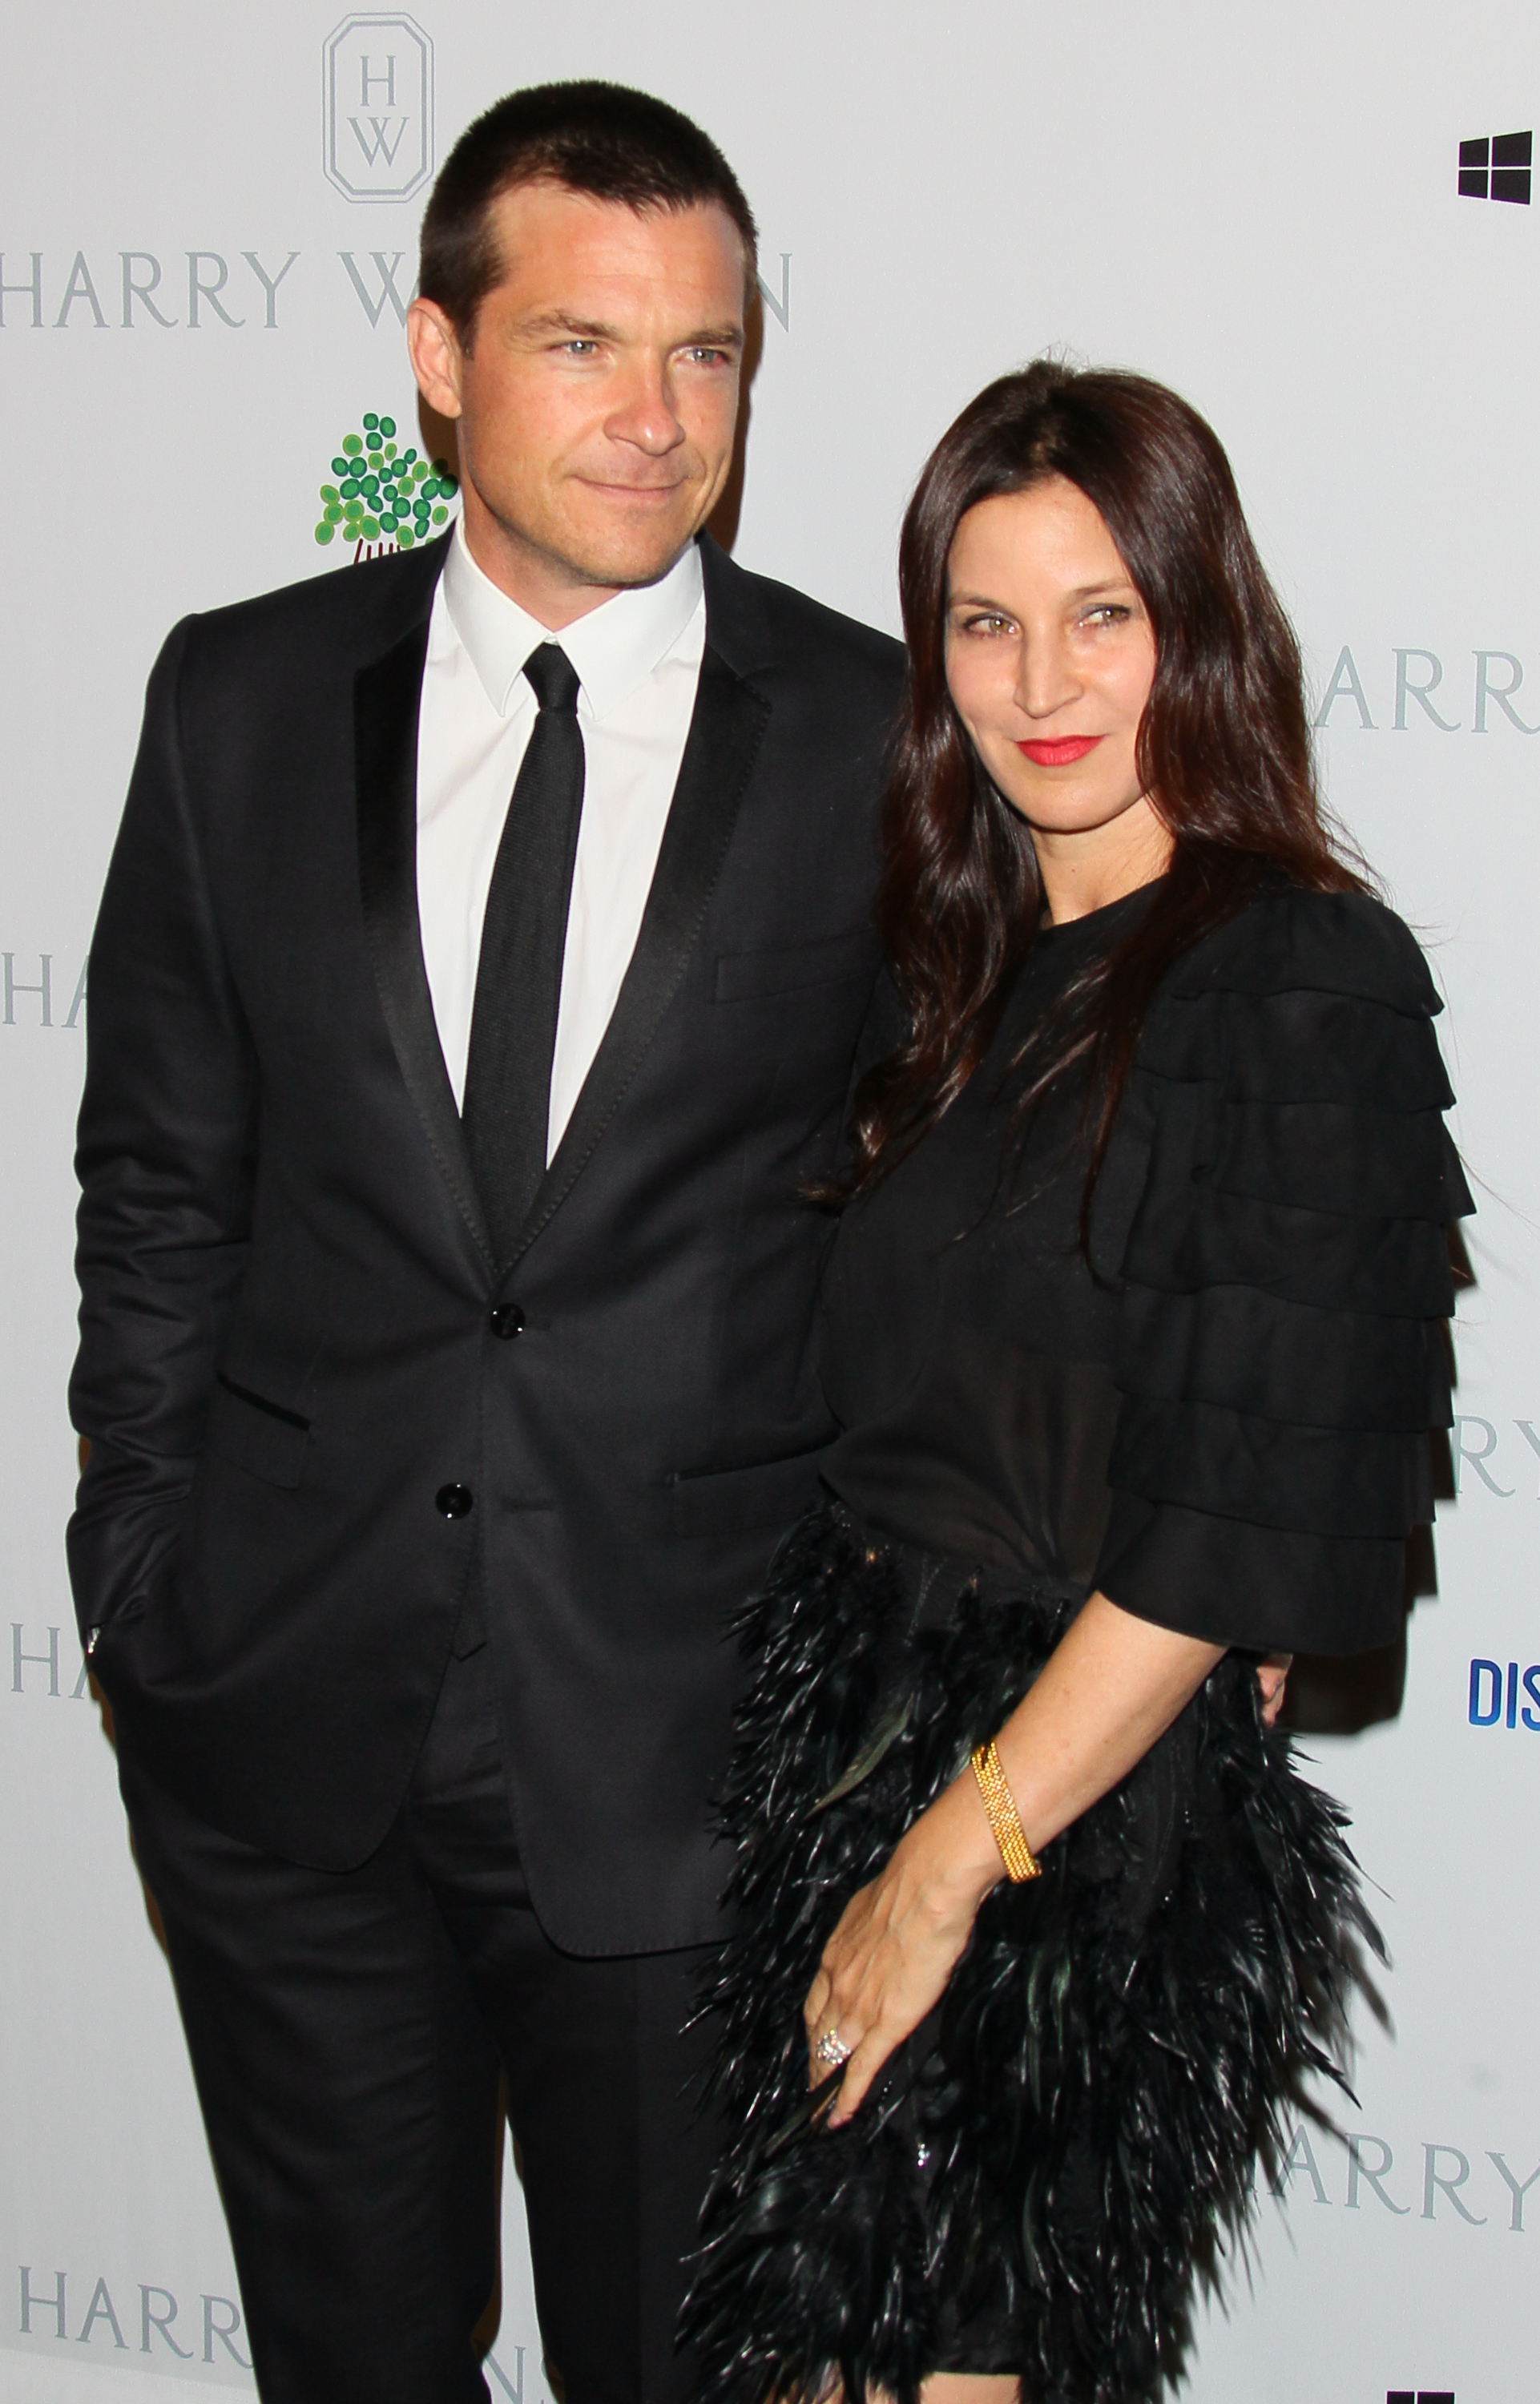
column 452, row 1501
column 507, row 1321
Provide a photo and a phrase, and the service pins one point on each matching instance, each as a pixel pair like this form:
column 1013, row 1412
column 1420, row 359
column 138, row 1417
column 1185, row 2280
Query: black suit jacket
column 287, row 1350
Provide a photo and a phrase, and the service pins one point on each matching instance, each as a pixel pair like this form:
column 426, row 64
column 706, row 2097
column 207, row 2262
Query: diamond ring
column 832, row 2049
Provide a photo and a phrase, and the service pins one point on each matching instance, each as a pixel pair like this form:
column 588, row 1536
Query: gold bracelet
column 1020, row 1861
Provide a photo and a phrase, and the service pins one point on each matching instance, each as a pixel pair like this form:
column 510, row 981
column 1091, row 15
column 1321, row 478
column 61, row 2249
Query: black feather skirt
column 1057, row 2164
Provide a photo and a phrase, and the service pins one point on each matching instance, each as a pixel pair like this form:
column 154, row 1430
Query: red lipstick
column 1060, row 754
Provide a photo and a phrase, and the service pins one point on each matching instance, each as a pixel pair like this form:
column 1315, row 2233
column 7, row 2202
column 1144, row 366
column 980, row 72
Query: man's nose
column 645, row 414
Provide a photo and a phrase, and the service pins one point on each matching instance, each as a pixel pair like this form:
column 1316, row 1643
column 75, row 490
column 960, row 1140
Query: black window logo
column 1435, row 2394
column 1495, row 167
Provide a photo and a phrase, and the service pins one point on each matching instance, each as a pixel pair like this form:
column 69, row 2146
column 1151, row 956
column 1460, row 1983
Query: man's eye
column 582, row 346
column 706, row 356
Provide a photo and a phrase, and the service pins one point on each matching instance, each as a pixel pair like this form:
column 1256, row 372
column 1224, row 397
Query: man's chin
column 630, row 545
column 594, row 550
column 629, row 565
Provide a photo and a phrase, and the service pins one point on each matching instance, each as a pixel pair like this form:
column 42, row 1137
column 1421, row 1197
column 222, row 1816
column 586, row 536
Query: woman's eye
column 1108, row 614
column 986, row 622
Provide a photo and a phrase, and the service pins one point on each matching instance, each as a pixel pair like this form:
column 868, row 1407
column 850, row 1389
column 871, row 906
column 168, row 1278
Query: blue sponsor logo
column 1504, row 1698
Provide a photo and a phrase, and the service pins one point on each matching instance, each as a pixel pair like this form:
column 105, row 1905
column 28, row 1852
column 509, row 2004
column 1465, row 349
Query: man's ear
column 437, row 359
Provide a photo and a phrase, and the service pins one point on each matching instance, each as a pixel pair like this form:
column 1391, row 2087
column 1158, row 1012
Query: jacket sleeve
column 1282, row 1348
column 166, row 1140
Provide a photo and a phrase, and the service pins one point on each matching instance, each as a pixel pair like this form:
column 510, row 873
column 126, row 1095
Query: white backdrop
column 1259, row 205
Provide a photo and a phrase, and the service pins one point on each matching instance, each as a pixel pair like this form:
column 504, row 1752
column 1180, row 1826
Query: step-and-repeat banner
column 1316, row 220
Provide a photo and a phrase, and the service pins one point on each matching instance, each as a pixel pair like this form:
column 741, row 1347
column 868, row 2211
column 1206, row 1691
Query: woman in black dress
column 1133, row 1331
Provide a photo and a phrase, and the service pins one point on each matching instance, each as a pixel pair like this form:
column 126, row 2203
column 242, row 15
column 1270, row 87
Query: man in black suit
column 479, row 974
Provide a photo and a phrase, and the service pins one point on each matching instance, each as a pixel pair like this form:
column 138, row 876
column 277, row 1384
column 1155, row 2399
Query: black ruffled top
column 1222, row 1420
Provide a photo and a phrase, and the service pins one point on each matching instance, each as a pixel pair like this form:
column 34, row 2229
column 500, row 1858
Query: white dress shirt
column 638, row 659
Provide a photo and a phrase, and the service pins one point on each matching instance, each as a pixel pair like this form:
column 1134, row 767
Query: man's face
column 598, row 394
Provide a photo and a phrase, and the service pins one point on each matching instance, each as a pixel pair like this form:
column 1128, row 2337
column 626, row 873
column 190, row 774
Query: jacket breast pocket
column 786, row 970
column 262, row 1437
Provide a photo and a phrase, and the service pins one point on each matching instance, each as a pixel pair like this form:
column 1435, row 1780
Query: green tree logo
column 384, row 498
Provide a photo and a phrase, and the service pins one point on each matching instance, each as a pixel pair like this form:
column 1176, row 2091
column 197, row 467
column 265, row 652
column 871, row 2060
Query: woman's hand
column 1112, row 1684
column 1272, row 1676
column 900, row 1939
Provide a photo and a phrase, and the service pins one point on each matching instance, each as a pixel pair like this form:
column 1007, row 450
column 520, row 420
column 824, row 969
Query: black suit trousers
column 348, row 2030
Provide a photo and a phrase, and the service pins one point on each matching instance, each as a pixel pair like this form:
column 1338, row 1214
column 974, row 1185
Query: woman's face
column 1050, row 658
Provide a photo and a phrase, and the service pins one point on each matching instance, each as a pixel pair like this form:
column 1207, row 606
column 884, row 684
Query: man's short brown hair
column 600, row 138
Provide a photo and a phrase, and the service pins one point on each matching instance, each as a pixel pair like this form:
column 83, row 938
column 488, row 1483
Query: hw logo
column 378, row 85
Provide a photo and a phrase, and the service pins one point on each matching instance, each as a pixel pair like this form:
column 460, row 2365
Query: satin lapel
column 725, row 734
column 387, row 696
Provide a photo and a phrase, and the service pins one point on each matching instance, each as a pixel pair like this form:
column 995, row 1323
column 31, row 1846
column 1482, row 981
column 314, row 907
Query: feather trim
column 1063, row 2155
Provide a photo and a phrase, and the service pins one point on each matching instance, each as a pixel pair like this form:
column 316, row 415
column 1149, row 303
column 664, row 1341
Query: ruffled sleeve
column 1283, row 1351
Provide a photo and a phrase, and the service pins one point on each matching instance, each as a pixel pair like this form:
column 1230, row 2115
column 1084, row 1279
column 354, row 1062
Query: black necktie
column 524, row 938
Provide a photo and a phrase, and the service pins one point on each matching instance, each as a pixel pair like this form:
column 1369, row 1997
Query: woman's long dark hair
column 1224, row 751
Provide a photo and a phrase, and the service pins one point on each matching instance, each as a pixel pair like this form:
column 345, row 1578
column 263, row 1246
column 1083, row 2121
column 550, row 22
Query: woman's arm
column 1111, row 1688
